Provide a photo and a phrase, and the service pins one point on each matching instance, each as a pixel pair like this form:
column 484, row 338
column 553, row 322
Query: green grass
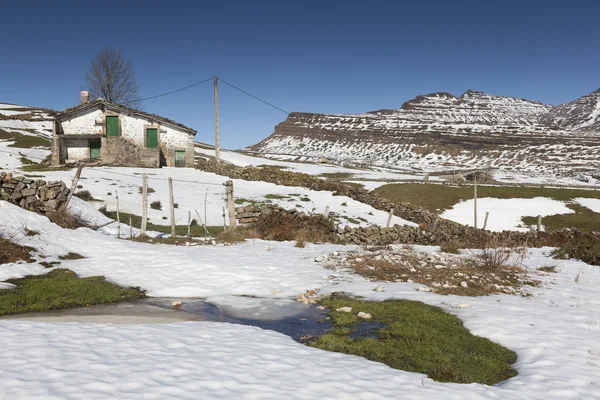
column 275, row 196
column 156, row 205
column 442, row 197
column 583, row 219
column 181, row 230
column 43, row 167
column 24, row 141
column 337, row 175
column 420, row 338
column 61, row 289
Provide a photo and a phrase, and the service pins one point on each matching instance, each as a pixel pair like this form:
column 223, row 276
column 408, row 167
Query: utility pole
column 475, row 200
column 217, row 144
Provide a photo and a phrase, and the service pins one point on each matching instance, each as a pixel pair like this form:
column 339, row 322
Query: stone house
column 113, row 134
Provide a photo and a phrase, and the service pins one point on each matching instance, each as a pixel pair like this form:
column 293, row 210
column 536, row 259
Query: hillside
column 441, row 132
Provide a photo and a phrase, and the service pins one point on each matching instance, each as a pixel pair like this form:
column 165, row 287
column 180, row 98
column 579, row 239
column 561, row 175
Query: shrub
column 284, row 226
column 84, row 195
column 156, row 205
column 67, row 220
column 11, row 251
column 584, row 249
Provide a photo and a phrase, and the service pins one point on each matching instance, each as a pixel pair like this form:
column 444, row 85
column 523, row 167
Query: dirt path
column 118, row 313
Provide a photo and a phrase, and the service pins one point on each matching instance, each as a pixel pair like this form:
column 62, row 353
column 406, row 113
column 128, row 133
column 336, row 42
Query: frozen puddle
column 299, row 321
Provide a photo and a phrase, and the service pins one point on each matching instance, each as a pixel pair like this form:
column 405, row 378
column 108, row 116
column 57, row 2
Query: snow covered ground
column 504, row 214
column 243, row 160
column 555, row 332
column 191, row 186
column 10, row 157
column 39, row 124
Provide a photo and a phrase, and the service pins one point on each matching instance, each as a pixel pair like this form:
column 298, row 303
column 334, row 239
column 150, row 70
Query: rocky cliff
column 439, row 131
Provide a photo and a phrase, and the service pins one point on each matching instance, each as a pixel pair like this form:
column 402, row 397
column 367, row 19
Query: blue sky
column 326, row 56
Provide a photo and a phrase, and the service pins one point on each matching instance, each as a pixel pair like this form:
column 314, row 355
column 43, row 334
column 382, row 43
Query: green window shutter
column 180, row 158
column 151, row 137
column 112, row 125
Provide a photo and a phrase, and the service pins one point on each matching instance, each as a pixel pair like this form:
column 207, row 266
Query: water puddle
column 367, row 329
column 302, row 323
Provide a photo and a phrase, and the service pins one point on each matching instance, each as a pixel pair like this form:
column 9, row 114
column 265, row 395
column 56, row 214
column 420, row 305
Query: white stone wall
column 83, row 123
column 132, row 128
column 78, row 149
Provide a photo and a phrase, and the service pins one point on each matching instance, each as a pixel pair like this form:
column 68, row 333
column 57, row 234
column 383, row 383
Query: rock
column 321, row 307
column 379, row 288
column 28, row 181
column 275, row 291
column 463, row 306
column 28, row 192
column 423, row 289
column 20, row 186
column 464, row 284
column 320, row 259
column 364, row 315
column 344, row 309
column 176, row 305
column 440, row 266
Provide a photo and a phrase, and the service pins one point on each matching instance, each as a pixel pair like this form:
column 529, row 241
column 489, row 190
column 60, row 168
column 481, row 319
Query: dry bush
column 305, row 228
column 67, row 220
column 497, row 254
column 11, row 251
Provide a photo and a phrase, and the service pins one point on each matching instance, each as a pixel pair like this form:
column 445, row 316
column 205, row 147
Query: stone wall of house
column 120, row 151
column 76, row 150
column 83, row 123
column 132, row 128
column 34, row 195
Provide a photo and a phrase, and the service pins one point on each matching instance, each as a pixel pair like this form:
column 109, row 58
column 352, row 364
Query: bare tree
column 112, row 77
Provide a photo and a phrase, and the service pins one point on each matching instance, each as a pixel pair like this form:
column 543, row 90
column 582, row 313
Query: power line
column 171, row 92
column 254, row 97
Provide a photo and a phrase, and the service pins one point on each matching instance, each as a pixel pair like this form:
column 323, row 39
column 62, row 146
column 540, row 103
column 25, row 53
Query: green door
column 112, row 125
column 180, row 158
column 94, row 149
column 151, row 137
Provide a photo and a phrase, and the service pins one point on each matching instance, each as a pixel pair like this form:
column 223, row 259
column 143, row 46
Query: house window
column 112, row 125
column 151, row 137
column 94, row 148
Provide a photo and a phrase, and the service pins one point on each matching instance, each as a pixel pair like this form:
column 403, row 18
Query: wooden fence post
column 118, row 217
column 224, row 220
column 172, row 207
column 73, row 187
column 130, row 229
column 326, row 213
column 475, row 199
column 389, row 221
column 230, row 204
column 487, row 213
column 539, row 223
column 189, row 223
column 203, row 224
column 144, row 204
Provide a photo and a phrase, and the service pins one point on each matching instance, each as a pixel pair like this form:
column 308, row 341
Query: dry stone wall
column 34, row 195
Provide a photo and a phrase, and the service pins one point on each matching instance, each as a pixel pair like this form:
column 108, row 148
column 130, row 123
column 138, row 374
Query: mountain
column 23, row 120
column 439, row 132
column 582, row 114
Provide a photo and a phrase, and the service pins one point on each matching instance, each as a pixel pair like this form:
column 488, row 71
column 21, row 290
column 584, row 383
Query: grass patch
column 275, row 196
column 84, row 195
column 11, row 252
column 279, row 167
column 308, row 228
column 61, row 289
column 547, row 268
column 65, row 219
column 71, row 256
column 149, row 190
column 583, row 219
column 442, row 197
column 305, row 199
column 585, row 249
column 417, row 337
column 337, row 175
column 156, row 205
column 27, row 142
column 26, row 161
column 181, row 230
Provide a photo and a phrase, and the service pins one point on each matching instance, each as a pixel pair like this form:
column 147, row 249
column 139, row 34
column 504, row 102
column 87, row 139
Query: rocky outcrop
column 582, row 114
column 439, row 131
column 34, row 195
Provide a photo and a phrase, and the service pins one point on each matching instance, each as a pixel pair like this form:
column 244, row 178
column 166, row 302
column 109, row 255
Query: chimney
column 84, row 95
